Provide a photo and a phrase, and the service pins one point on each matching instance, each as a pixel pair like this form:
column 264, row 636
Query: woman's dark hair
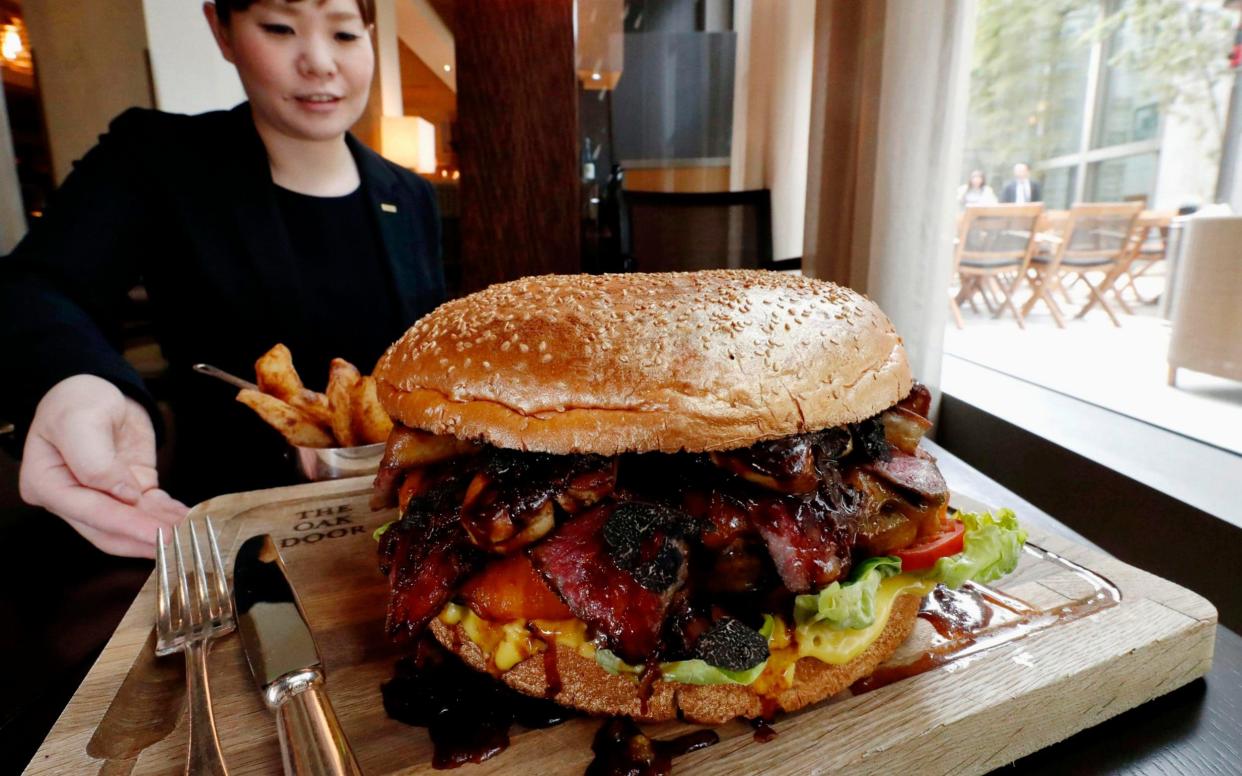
column 225, row 9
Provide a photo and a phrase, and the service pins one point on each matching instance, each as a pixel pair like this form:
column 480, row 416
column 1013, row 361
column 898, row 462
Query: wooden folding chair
column 994, row 247
column 1096, row 238
column 1151, row 243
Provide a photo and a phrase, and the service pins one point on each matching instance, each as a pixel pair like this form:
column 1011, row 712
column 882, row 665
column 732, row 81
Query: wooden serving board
column 966, row 716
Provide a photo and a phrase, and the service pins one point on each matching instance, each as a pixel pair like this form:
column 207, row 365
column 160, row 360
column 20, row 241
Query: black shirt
column 186, row 205
column 342, row 272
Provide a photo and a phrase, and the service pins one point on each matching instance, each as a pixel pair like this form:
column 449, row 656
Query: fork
column 190, row 624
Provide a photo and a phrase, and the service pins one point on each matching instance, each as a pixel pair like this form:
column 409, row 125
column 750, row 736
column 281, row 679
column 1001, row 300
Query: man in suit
column 1021, row 189
column 266, row 223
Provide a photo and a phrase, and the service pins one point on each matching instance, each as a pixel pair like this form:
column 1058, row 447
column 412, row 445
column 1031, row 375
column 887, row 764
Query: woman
column 265, row 223
column 975, row 191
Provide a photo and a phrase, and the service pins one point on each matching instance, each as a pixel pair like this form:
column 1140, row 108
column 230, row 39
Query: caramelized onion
column 904, row 428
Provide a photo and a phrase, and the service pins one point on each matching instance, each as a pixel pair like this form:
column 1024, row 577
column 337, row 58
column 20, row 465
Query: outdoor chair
column 1096, row 238
column 1150, row 247
column 993, row 252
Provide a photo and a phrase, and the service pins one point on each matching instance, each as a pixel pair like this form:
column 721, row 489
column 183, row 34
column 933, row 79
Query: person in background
column 975, row 191
column 1022, row 189
column 261, row 224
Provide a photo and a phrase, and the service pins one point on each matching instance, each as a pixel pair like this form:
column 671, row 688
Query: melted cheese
column 825, row 644
column 505, row 644
column 841, row 646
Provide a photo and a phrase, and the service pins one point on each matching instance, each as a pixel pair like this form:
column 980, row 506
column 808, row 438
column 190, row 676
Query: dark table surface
column 63, row 599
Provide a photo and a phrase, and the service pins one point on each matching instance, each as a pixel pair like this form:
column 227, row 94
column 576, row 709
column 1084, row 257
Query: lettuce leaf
column 381, row 530
column 991, row 549
column 691, row 671
column 850, row 605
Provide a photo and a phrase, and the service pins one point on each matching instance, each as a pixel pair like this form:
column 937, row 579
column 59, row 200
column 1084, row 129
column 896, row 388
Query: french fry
column 277, row 377
column 275, row 374
column 370, row 423
column 314, row 405
column 286, row 419
column 341, row 380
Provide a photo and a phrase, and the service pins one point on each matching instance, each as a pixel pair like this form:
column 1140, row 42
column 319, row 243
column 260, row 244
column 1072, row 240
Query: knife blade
column 285, row 663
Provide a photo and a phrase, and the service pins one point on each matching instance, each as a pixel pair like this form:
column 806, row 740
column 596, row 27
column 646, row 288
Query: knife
column 285, row 663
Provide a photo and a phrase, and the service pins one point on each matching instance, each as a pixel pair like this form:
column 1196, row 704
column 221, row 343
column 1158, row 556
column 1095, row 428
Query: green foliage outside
column 1031, row 61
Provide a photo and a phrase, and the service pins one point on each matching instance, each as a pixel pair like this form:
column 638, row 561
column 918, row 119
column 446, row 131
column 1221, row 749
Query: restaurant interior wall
column 716, row 97
column 91, row 60
column 672, row 108
column 188, row 72
column 425, row 95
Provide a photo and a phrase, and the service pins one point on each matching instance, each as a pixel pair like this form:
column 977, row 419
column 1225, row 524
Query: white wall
column 772, row 110
column 12, row 217
column 189, row 73
column 1189, row 155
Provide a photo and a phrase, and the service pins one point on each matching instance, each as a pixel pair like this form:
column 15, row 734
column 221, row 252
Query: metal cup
column 335, row 463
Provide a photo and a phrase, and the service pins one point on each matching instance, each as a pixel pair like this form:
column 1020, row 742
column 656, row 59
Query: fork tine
column 188, row 615
column 217, row 566
column 163, row 621
column 202, row 594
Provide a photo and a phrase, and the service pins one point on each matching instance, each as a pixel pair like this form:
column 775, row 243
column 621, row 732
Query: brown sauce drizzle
column 977, row 618
column 646, row 683
column 551, row 672
column 621, row 749
column 466, row 712
column 763, row 731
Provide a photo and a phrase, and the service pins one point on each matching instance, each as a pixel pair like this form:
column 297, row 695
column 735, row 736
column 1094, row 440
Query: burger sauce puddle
column 621, row 749
column 963, row 620
column 763, row 731
column 466, row 712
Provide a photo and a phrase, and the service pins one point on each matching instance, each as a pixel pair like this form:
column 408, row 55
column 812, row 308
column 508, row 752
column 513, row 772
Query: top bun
column 665, row 362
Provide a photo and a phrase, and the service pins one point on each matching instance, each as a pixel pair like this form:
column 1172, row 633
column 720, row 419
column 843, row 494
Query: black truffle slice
column 870, row 440
column 647, row 541
column 732, row 646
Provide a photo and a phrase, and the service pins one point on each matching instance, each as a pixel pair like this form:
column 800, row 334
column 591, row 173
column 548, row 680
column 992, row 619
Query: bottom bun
column 588, row 687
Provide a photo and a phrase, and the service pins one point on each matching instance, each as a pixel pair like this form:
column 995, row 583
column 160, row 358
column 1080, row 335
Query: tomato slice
column 925, row 554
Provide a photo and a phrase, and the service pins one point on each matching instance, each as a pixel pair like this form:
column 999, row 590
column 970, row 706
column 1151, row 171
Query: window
column 1128, row 107
column 1058, row 186
column 1127, row 177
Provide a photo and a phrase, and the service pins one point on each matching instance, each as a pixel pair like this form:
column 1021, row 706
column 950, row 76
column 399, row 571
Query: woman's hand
column 90, row 458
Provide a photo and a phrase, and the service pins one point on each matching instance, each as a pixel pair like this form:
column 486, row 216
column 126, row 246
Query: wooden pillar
column 517, row 139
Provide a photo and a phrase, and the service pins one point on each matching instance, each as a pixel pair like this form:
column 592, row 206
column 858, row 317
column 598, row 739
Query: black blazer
column 186, row 206
column 1010, row 192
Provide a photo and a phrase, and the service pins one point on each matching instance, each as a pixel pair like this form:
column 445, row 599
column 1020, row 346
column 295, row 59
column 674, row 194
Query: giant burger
column 661, row 495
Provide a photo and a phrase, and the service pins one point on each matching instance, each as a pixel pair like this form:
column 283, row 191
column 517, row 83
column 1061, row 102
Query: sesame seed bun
column 588, row 687
column 665, row 362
